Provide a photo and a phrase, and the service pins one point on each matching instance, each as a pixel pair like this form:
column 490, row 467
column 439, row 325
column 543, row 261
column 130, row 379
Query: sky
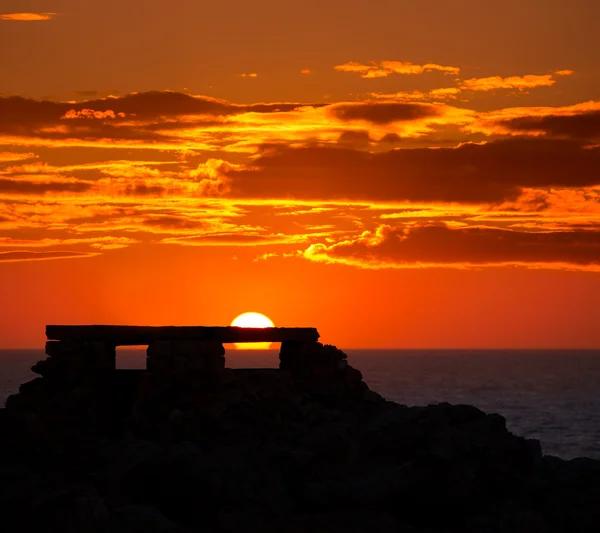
column 398, row 174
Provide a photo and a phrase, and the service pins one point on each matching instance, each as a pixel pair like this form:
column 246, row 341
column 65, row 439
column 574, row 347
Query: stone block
column 63, row 349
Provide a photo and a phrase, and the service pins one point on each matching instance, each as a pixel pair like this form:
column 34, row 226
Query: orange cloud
column 90, row 113
column 306, row 71
column 42, row 186
column 469, row 173
column 565, row 72
column 101, row 243
column 27, row 17
column 245, row 237
column 443, row 93
column 521, row 83
column 439, row 245
column 580, row 121
column 386, row 68
column 165, row 119
column 26, row 255
column 248, row 75
column 8, row 157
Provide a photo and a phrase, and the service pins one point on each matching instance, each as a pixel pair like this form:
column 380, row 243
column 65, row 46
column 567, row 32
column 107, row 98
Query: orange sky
column 397, row 174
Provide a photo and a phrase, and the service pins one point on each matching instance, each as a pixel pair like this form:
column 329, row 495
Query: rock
column 142, row 518
column 33, row 388
column 189, row 444
column 71, row 509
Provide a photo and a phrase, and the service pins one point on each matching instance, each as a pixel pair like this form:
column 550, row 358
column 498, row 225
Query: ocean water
column 550, row 395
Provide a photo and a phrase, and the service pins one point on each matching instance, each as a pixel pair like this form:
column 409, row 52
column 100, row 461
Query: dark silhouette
column 189, row 445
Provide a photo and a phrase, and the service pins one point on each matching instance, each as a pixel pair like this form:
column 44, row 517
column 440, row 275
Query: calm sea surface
column 553, row 396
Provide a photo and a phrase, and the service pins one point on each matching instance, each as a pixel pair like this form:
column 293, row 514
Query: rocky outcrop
column 189, row 445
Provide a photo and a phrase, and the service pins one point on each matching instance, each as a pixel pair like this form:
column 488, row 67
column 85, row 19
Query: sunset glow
column 398, row 176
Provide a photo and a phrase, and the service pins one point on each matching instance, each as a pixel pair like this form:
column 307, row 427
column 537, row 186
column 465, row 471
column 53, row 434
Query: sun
column 252, row 320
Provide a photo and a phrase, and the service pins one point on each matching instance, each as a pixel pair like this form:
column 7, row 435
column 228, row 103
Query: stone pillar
column 181, row 357
column 73, row 396
column 75, row 361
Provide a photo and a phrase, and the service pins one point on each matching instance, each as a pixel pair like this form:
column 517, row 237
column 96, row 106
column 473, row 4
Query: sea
column 549, row 395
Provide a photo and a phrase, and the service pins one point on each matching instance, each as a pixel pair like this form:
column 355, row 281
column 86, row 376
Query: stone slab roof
column 142, row 335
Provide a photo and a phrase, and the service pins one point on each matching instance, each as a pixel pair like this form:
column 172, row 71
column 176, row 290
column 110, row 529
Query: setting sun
column 252, row 320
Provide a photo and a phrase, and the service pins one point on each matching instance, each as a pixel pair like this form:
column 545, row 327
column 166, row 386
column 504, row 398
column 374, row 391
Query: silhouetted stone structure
column 188, row 445
column 76, row 350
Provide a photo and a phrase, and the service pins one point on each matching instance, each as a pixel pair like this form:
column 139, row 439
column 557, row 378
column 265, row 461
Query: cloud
column 90, row 113
column 386, row 68
column 101, row 243
column 248, row 75
column 27, row 17
column 585, row 126
column 472, row 173
column 439, row 245
column 25, row 255
column 306, row 71
column 565, row 72
column 29, row 187
column 235, row 239
column 355, row 139
column 442, row 93
column 521, row 83
column 383, row 112
column 580, row 121
column 149, row 105
column 8, row 157
column 166, row 119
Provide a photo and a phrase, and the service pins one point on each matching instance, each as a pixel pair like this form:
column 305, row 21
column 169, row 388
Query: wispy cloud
column 7, row 157
column 27, row 17
column 520, row 83
column 26, row 255
column 386, row 68
column 442, row 93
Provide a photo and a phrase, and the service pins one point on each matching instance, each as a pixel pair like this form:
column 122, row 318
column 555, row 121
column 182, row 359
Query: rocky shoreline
column 198, row 447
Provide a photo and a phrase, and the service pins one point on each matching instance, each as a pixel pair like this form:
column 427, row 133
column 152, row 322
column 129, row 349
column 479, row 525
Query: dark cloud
column 355, row 139
column 136, row 116
column 439, row 244
column 143, row 189
column 169, row 222
column 384, row 112
column 473, row 173
column 35, row 187
column 580, row 126
column 146, row 105
column 391, row 138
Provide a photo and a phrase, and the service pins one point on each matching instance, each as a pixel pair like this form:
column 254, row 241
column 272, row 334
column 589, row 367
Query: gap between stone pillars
column 165, row 357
